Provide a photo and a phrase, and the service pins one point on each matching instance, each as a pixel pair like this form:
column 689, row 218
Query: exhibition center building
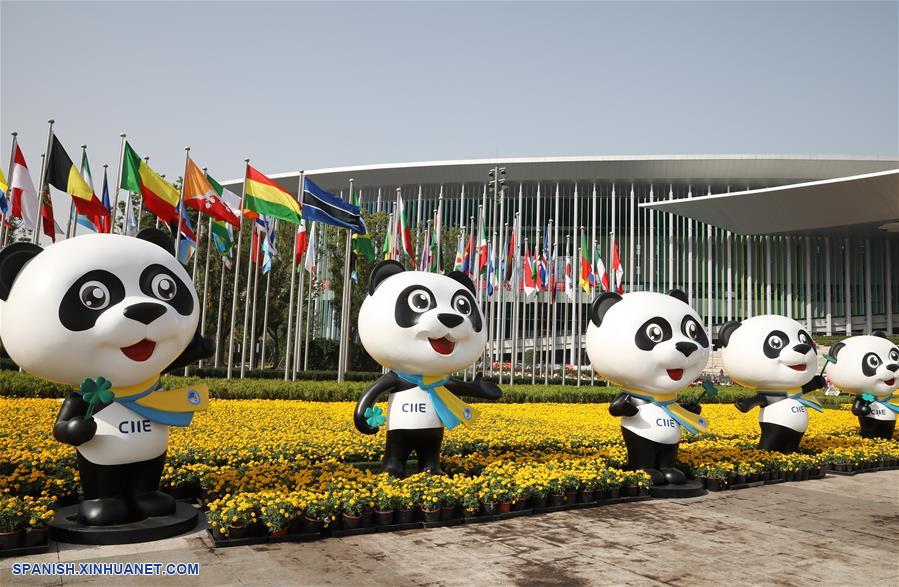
column 815, row 238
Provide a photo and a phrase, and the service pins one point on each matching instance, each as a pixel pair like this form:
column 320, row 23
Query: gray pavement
column 835, row 531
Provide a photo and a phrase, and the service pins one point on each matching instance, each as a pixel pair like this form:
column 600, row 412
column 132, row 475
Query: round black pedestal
column 692, row 488
column 65, row 527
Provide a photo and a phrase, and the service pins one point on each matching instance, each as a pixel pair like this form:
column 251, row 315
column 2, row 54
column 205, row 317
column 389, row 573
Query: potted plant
column 12, row 522
column 276, row 513
column 351, row 508
column 39, row 511
column 385, row 500
column 320, row 510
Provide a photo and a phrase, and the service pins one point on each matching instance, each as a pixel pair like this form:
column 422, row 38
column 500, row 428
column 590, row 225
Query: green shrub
column 15, row 384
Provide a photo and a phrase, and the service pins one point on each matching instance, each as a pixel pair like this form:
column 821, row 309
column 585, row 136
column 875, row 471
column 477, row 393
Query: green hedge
column 15, row 384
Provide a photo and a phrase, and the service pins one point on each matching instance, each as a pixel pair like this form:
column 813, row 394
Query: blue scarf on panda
column 451, row 410
column 809, row 401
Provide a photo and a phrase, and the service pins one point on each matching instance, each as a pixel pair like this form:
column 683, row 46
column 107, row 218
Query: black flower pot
column 570, row 497
column 430, row 515
column 585, row 496
column 803, row 475
column 488, row 508
column 238, row 532
column 538, row 501
column 310, row 525
column 35, row 537
column 405, row 516
column 600, row 494
column 713, row 484
column 350, row 522
column 365, row 519
column 469, row 514
column 519, row 504
column 555, row 500
column 448, row 513
column 384, row 518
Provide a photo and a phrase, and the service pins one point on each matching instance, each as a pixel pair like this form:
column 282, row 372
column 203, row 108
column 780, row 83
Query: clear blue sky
column 310, row 85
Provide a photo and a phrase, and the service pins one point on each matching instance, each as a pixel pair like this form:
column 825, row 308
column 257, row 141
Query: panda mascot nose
column 687, row 348
column 802, row 348
column 450, row 320
column 144, row 312
column 893, row 367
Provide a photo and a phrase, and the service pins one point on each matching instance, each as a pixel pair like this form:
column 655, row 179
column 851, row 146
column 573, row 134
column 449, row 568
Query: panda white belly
column 411, row 409
column 881, row 412
column 123, row 436
column 785, row 412
column 652, row 423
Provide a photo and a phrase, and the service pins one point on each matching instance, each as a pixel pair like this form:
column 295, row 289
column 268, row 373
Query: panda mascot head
column 646, row 341
column 421, row 323
column 865, row 364
column 768, row 352
column 96, row 305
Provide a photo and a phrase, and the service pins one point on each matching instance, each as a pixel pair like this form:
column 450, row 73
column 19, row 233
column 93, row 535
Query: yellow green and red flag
column 264, row 196
column 160, row 197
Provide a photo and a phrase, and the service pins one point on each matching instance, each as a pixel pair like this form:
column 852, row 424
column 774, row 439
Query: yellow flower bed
column 290, row 454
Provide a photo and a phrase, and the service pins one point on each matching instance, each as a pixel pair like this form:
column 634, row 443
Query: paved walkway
column 835, row 531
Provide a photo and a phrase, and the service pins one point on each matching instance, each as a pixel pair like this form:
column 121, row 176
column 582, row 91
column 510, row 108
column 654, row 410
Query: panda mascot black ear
column 879, row 333
column 680, row 295
column 12, row 259
column 601, row 305
column 835, row 349
column 726, row 330
column 382, row 271
column 159, row 238
column 463, row 279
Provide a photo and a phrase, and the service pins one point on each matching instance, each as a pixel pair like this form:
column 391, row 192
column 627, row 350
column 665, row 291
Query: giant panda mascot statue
column 108, row 314
column 652, row 345
column 868, row 366
column 421, row 327
column 775, row 357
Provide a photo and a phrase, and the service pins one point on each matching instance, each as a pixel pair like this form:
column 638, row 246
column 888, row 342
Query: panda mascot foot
column 153, row 504
column 105, row 512
column 870, row 428
column 420, row 326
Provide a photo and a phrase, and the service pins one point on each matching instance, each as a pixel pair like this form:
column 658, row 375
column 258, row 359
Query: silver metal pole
column 209, row 246
column 293, row 271
column 4, row 230
column 868, row 305
column 218, row 315
column 42, row 188
column 118, row 185
column 268, row 289
column 256, row 269
column 888, row 282
column 181, row 203
column 808, row 284
column 343, row 356
column 245, row 351
column 828, row 295
column 243, row 194
column 298, row 322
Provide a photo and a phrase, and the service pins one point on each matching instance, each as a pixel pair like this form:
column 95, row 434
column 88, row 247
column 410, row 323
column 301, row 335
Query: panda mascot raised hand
column 108, row 313
column 775, row 357
column 422, row 327
column 868, row 366
column 652, row 345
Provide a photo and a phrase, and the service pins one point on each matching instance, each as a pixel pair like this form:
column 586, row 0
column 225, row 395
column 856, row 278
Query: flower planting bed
column 273, row 470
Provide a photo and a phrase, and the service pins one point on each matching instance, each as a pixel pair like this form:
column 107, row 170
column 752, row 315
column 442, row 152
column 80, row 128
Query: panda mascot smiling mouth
column 422, row 327
column 868, row 366
column 652, row 345
column 108, row 313
column 774, row 356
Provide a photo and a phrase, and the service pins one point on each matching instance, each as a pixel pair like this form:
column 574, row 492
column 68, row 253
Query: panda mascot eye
column 164, row 287
column 894, row 355
column 462, row 305
column 694, row 331
column 870, row 363
column 806, row 339
column 654, row 333
column 94, row 295
column 775, row 342
column 419, row 301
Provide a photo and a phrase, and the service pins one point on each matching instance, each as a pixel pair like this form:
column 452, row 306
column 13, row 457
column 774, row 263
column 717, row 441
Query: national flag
column 510, row 257
column 4, row 205
column 436, row 244
column 25, row 203
column 222, row 236
column 64, row 176
column 264, row 196
column 200, row 194
column 404, row 233
column 424, row 261
column 617, row 269
column 599, row 270
column 159, row 196
column 48, row 222
column 302, row 243
column 107, row 224
column 569, row 284
column 543, row 276
column 482, row 244
column 130, row 223
column 586, row 277
column 491, row 270
column 94, row 215
column 530, row 284
column 460, row 254
column 325, row 207
column 467, row 265
column 269, row 252
column 310, row 264
column 388, row 248
column 187, row 244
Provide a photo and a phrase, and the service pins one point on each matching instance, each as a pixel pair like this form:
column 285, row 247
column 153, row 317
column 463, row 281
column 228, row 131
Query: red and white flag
column 25, row 203
column 617, row 269
column 310, row 251
column 302, row 243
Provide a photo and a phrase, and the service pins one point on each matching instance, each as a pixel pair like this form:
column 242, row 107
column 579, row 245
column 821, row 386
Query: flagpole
column 180, row 210
column 193, row 276
column 118, row 186
column 249, row 336
column 593, row 262
column 309, row 302
column 555, row 327
column 500, row 311
column 218, row 315
column 344, row 347
column 206, row 280
column 4, row 229
column 140, row 206
column 577, row 323
column 268, row 288
column 243, row 194
column 536, row 317
column 39, row 219
column 298, row 321
column 567, row 307
column 293, row 271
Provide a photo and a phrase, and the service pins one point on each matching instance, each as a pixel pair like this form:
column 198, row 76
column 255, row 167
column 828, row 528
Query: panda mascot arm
column 747, row 403
column 388, row 383
column 861, row 406
column 817, row 382
column 621, row 405
column 479, row 388
column 198, row 349
column 71, row 427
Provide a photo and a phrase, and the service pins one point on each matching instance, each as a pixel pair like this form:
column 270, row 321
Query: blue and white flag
column 321, row 206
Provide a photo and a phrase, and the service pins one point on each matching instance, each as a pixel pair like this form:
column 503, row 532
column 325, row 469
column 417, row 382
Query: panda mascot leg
column 644, row 454
column 143, row 488
column 872, row 428
column 425, row 442
column 104, row 501
column 779, row 438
